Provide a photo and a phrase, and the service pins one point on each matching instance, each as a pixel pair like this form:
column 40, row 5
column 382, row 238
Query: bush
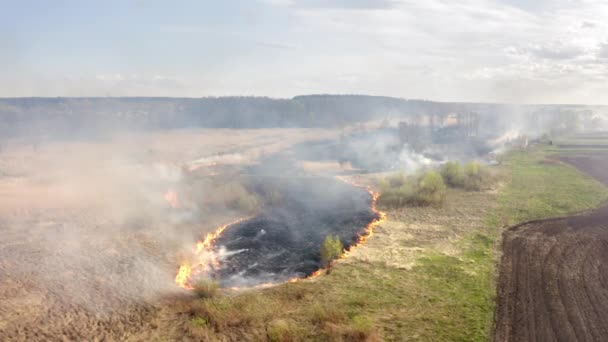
column 397, row 180
column 474, row 176
column 395, row 198
column 206, row 288
column 199, row 322
column 425, row 189
column 237, row 197
column 452, row 174
column 199, row 329
column 331, row 249
column 431, row 189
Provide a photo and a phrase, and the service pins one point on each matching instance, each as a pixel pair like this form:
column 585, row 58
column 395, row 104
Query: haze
column 468, row 50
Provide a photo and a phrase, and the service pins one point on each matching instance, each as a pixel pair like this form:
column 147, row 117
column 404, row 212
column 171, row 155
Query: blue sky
column 546, row 51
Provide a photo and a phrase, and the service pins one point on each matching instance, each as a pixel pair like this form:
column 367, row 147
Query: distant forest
column 71, row 117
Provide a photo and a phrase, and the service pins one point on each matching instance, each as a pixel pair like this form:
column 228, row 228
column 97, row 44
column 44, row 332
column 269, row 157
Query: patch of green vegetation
column 453, row 174
column 472, row 176
column 198, row 322
column 425, row 189
column 331, row 249
column 463, row 288
column 541, row 188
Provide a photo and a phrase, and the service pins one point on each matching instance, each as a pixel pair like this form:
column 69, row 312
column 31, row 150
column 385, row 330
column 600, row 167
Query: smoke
column 99, row 223
column 411, row 161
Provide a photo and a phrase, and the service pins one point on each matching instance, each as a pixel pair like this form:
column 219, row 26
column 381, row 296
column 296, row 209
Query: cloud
column 461, row 50
column 557, row 50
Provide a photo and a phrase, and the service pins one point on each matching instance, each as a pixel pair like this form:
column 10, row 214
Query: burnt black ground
column 284, row 241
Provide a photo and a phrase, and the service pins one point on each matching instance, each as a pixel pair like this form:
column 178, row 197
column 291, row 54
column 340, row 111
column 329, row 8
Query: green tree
column 452, row 174
column 331, row 249
column 431, row 189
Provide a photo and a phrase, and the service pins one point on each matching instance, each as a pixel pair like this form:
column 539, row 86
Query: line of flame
column 205, row 260
column 367, row 233
column 186, row 272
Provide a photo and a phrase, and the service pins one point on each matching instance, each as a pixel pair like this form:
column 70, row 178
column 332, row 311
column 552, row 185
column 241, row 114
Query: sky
column 516, row 51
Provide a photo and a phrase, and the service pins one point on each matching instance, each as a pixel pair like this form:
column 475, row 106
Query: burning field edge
column 204, row 259
column 427, row 273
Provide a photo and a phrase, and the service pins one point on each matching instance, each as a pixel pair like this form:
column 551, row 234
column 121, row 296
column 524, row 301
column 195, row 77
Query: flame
column 205, row 259
column 369, row 229
column 183, row 275
column 171, row 198
column 367, row 232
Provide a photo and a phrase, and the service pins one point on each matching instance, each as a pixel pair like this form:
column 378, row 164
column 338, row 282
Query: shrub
column 452, row 174
column 199, row 329
column 199, row 322
column 394, row 198
column 206, row 288
column 397, row 180
column 237, row 197
column 430, row 190
column 474, row 176
column 425, row 189
column 331, row 249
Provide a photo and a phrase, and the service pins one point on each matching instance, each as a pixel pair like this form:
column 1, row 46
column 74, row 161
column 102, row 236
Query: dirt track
column 554, row 274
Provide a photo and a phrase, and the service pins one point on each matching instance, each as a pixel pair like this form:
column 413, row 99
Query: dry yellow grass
column 87, row 242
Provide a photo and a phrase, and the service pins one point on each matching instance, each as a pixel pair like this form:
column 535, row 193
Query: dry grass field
column 89, row 245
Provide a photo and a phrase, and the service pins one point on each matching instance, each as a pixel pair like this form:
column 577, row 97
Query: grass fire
column 213, row 171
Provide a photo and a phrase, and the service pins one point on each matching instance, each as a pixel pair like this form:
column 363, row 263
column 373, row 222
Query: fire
column 205, row 258
column 183, row 275
column 171, row 198
column 367, row 233
column 369, row 229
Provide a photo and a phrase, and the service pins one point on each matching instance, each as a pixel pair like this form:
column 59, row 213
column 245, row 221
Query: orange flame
column 367, row 233
column 205, row 258
column 183, row 275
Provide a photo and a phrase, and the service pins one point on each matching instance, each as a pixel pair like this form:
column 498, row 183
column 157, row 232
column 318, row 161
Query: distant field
column 578, row 141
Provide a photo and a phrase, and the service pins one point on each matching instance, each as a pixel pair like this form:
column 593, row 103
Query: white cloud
column 457, row 50
column 471, row 50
